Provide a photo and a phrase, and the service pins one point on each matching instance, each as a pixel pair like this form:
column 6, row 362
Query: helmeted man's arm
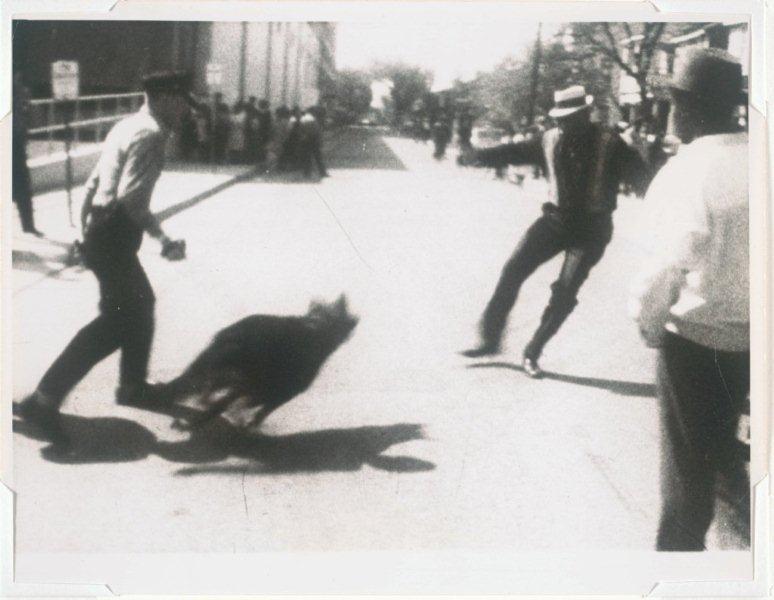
column 101, row 186
column 143, row 165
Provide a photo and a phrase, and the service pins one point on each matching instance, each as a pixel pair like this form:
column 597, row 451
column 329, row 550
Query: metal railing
column 91, row 117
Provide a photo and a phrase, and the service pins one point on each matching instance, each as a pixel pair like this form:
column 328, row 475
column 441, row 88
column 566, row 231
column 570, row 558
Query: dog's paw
column 181, row 425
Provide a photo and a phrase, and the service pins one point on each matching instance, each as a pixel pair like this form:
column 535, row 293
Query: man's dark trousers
column 582, row 237
column 126, row 307
column 702, row 392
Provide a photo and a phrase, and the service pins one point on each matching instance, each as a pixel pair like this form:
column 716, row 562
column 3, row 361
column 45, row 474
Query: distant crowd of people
column 250, row 133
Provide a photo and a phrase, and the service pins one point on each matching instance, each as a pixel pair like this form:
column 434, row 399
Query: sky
column 448, row 49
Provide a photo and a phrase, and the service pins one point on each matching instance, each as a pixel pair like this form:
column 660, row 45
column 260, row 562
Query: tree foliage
column 635, row 58
column 409, row 84
column 353, row 95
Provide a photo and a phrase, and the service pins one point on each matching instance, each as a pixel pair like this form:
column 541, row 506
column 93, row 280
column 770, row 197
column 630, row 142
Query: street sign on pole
column 65, row 87
column 65, row 80
column 214, row 75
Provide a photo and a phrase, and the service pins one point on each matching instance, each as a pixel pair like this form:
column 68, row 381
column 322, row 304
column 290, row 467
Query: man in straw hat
column 116, row 213
column 692, row 302
column 585, row 163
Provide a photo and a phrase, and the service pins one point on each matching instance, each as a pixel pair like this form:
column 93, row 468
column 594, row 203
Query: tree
column 631, row 46
column 409, row 84
column 353, row 96
column 503, row 93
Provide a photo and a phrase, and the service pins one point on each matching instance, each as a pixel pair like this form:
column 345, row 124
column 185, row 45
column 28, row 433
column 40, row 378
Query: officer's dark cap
column 167, row 82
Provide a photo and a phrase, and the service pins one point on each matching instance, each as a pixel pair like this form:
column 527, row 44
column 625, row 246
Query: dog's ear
column 341, row 304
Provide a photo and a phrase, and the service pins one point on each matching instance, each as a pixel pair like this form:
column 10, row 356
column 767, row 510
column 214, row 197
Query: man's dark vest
column 599, row 186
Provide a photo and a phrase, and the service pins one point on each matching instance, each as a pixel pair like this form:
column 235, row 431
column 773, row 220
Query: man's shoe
column 532, row 368
column 485, row 349
column 139, row 395
column 44, row 418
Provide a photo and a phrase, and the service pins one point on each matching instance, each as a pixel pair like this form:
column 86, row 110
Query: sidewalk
column 179, row 187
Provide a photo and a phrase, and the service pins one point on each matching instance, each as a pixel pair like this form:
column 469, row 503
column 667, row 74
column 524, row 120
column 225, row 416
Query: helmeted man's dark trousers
column 702, row 392
column 583, row 240
column 126, row 308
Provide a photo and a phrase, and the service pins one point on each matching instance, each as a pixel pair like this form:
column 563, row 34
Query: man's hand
column 173, row 249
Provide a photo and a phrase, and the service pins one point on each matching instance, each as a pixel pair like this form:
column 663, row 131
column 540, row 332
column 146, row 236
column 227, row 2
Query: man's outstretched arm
column 518, row 153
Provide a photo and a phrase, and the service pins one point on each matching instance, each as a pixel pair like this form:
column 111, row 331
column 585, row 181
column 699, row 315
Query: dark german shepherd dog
column 261, row 361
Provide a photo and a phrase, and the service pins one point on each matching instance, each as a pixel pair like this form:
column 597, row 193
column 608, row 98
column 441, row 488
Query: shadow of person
column 114, row 439
column 622, row 388
column 96, row 440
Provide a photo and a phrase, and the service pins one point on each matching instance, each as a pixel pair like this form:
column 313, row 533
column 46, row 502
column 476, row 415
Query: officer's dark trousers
column 702, row 393
column 583, row 240
column 126, row 306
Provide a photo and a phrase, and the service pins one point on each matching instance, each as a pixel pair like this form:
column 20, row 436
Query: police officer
column 116, row 213
column 585, row 163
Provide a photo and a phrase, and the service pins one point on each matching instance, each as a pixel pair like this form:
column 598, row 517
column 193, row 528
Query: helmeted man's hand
column 173, row 249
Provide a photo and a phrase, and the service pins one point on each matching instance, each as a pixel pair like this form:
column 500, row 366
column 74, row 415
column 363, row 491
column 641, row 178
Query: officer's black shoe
column 532, row 368
column 485, row 349
column 45, row 419
column 140, row 395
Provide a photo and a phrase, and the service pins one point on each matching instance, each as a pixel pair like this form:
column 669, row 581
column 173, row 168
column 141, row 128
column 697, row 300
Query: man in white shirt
column 116, row 213
column 692, row 302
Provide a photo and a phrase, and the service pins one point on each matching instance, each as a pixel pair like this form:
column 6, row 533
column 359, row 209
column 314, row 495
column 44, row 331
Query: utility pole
column 537, row 57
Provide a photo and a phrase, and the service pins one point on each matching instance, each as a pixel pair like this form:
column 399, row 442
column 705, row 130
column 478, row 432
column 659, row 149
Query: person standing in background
column 692, row 303
column 237, row 134
column 264, row 129
column 21, row 184
column 220, row 127
column 310, row 143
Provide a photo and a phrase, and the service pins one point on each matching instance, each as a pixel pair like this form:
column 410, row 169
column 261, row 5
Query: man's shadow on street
column 622, row 388
column 115, row 439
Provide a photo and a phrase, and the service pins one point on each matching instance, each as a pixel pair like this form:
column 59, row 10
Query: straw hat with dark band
column 570, row 100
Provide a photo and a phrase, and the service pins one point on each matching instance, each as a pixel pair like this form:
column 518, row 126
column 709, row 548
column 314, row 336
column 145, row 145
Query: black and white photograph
column 449, row 299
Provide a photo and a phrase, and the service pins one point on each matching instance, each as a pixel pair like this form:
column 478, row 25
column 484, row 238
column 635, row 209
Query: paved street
column 400, row 443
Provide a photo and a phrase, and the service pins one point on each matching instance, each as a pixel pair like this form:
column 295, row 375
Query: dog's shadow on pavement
column 114, row 439
column 622, row 388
